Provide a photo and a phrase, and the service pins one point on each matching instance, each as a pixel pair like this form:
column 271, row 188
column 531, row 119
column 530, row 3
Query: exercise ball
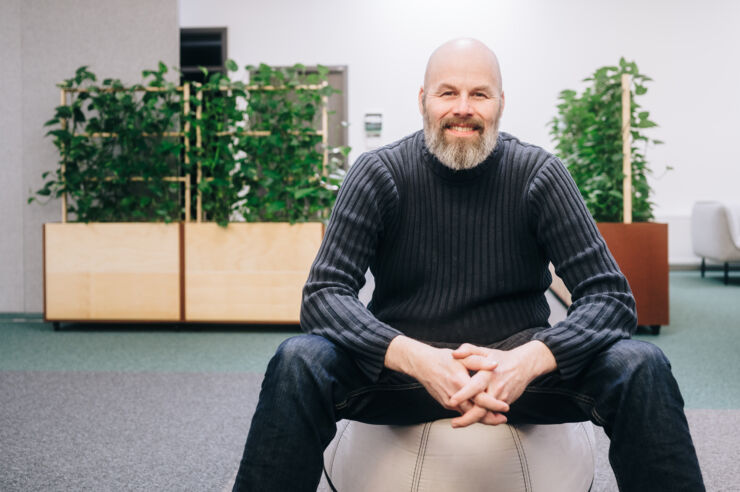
column 434, row 457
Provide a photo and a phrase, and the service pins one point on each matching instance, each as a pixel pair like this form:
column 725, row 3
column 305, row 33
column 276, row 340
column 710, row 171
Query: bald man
column 458, row 224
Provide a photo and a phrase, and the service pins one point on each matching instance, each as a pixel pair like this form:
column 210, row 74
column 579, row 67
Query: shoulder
column 379, row 171
column 530, row 161
column 523, row 153
column 401, row 151
column 392, row 161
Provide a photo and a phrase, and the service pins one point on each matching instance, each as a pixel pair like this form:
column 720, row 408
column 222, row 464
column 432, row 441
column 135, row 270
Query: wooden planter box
column 248, row 272
column 112, row 272
column 641, row 250
column 194, row 272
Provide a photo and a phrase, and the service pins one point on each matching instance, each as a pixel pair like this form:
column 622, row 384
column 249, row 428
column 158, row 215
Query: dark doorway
column 202, row 47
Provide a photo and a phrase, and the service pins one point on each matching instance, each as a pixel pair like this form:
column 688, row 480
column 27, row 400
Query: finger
column 465, row 406
column 488, row 402
column 467, row 349
column 478, row 382
column 472, row 416
column 479, row 363
column 493, row 418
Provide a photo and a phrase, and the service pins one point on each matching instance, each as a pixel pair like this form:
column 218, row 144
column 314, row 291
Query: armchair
column 715, row 234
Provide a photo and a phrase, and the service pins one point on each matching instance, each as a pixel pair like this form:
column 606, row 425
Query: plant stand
column 111, row 272
column 641, row 251
column 190, row 273
column 247, row 272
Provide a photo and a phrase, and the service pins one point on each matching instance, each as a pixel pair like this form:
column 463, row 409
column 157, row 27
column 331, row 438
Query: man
column 458, row 224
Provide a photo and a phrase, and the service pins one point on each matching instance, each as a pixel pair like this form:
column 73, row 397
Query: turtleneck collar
column 463, row 175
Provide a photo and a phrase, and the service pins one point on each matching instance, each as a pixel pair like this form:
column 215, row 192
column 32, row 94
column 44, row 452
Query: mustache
column 474, row 123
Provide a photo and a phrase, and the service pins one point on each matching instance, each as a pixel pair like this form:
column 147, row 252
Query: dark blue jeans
column 311, row 383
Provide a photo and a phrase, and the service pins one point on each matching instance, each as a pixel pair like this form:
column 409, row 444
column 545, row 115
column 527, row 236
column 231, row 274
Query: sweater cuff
column 374, row 364
column 570, row 355
column 371, row 359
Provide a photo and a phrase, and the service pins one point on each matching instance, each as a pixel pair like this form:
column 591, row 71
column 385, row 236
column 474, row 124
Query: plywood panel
column 112, row 271
column 248, row 272
column 247, row 297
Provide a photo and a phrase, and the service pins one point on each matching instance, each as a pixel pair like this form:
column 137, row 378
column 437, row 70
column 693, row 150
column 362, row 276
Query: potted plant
column 137, row 163
column 118, row 177
column 600, row 136
column 266, row 172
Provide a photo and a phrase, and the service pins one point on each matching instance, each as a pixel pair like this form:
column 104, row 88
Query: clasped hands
column 495, row 380
column 478, row 382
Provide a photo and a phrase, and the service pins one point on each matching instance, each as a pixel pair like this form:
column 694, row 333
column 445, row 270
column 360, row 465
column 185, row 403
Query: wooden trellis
column 626, row 150
column 185, row 90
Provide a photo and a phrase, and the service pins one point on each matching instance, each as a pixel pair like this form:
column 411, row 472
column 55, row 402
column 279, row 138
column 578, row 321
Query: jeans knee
column 301, row 356
column 637, row 359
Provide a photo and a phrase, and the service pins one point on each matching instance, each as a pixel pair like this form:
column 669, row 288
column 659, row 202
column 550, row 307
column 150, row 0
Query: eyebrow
column 485, row 88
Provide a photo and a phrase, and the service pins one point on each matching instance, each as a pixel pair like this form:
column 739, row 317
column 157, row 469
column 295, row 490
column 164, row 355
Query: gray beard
column 459, row 154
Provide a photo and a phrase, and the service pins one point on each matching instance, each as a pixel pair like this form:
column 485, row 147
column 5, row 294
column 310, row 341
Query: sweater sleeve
column 603, row 309
column 366, row 202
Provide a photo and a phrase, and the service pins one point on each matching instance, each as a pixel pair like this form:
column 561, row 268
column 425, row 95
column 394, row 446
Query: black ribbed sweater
column 462, row 256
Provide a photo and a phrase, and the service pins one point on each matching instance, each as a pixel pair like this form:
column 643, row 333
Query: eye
column 447, row 94
column 480, row 95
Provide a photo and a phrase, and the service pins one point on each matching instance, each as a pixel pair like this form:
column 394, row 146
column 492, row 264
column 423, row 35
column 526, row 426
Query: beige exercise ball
column 434, row 457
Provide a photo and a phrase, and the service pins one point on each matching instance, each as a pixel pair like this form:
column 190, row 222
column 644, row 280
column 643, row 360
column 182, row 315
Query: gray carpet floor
column 109, row 431
column 152, row 409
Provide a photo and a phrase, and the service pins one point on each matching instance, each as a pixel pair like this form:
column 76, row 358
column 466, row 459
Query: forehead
column 462, row 69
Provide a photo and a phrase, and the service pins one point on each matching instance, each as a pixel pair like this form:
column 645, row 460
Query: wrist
column 542, row 361
column 402, row 353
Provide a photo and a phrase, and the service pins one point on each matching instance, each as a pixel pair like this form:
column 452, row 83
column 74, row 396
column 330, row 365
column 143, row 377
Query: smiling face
column 461, row 102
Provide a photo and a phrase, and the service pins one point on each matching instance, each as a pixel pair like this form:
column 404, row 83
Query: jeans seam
column 597, row 418
column 380, row 387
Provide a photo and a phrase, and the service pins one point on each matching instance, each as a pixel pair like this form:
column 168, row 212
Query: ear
column 503, row 103
column 421, row 98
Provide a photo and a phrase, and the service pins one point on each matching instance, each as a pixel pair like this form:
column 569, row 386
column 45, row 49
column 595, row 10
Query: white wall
column 11, row 170
column 42, row 42
column 688, row 48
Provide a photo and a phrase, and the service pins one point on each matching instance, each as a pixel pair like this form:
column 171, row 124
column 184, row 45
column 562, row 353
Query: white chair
column 715, row 234
column 434, row 457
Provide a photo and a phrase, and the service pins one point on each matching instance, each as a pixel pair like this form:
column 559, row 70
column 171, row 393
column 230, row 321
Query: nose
column 462, row 106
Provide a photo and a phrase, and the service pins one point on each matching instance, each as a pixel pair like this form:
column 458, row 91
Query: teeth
column 461, row 128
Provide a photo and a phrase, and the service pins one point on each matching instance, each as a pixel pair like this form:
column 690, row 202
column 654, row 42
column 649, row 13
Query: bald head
column 461, row 103
column 462, row 56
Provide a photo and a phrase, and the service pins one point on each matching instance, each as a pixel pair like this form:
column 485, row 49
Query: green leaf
column 63, row 112
column 278, row 171
column 275, row 206
column 586, row 131
column 231, row 65
column 298, row 194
